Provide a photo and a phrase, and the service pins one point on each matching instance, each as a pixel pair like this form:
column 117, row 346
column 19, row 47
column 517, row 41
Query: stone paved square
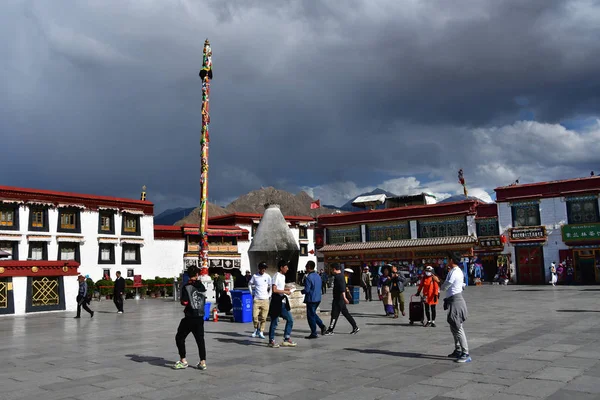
column 523, row 347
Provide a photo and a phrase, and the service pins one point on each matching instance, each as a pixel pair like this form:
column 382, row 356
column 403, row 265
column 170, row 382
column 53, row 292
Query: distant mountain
column 460, row 197
column 349, row 207
column 254, row 202
column 172, row 215
column 193, row 217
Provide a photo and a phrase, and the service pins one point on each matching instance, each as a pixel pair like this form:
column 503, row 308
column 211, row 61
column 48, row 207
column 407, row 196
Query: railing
column 144, row 288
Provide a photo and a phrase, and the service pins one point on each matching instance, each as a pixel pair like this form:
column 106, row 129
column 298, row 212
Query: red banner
column 137, row 281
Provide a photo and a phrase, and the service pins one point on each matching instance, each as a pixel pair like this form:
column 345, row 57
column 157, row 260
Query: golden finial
column 143, row 196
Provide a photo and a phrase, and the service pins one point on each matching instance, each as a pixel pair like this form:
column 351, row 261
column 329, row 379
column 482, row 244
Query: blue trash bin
column 207, row 310
column 355, row 292
column 242, row 305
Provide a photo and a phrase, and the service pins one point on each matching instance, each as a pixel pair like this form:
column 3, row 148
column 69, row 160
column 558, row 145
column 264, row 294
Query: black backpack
column 195, row 300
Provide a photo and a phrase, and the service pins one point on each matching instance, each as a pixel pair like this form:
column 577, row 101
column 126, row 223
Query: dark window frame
column 45, row 227
column 77, row 213
column 514, row 216
column 15, row 210
column 111, row 247
column 305, row 247
column 61, row 306
column 111, row 215
column 132, row 274
column 300, row 230
column 43, row 245
column 138, row 254
column 62, row 245
column 569, row 217
column 137, row 224
column 496, row 231
column 15, row 249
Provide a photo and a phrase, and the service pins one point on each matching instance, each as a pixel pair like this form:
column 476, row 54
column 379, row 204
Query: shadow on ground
column 578, row 311
column 399, row 354
column 156, row 361
column 244, row 342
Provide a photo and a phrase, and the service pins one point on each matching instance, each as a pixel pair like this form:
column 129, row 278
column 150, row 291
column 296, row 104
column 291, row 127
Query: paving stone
column 533, row 388
column 588, row 384
column 474, row 391
column 574, row 362
column 561, row 374
column 572, row 395
column 543, row 355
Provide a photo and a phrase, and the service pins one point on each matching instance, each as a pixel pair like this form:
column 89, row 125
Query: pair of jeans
column 118, row 300
column 289, row 324
column 367, row 290
column 194, row 326
column 313, row 318
column 337, row 307
column 323, row 288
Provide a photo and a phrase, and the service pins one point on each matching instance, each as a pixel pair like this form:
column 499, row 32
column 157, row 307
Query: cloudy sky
column 332, row 97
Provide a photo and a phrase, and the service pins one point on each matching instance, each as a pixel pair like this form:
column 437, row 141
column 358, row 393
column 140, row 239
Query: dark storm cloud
column 305, row 92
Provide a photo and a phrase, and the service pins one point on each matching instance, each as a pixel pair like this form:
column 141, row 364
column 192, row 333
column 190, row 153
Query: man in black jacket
column 193, row 297
column 339, row 302
column 118, row 292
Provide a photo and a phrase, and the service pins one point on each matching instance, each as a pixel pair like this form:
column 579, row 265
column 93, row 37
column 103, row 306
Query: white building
column 47, row 238
column 552, row 222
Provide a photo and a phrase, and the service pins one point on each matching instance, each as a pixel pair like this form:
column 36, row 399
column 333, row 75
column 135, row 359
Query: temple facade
column 552, row 222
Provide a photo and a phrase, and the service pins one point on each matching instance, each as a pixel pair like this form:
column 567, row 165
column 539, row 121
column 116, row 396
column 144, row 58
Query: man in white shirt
column 260, row 287
column 457, row 309
column 280, row 307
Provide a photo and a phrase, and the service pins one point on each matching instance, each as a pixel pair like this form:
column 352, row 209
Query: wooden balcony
column 223, row 248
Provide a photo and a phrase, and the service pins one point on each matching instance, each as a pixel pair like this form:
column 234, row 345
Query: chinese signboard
column 489, row 242
column 527, row 233
column 580, row 232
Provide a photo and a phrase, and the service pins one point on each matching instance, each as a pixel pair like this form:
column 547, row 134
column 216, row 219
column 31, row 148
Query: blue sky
column 104, row 97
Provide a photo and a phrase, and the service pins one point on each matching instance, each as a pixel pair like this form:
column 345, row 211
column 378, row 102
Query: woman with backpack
column 430, row 288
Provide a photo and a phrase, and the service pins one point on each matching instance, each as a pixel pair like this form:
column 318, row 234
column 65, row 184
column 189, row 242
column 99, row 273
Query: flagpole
column 205, row 76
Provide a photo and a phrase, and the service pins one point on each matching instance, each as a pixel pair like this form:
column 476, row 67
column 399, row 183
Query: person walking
column 553, row 273
column 193, row 297
column 260, row 287
column 82, row 297
column 397, row 290
column 312, row 299
column 384, row 290
column 430, row 289
column 339, row 302
column 457, row 309
column 365, row 281
column 324, row 279
column 118, row 291
column 280, row 307
column 219, row 287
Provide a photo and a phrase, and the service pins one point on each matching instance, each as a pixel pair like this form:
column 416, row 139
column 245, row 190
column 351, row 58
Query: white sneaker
column 255, row 334
column 260, row 335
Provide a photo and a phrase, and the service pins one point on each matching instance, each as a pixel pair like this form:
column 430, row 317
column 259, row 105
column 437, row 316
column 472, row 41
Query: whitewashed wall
column 71, row 288
column 166, row 260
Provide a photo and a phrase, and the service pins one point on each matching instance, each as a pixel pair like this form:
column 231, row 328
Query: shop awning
column 39, row 238
column 405, row 244
column 72, row 239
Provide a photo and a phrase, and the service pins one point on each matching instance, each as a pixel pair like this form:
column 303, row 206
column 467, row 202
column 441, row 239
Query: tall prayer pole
column 206, row 76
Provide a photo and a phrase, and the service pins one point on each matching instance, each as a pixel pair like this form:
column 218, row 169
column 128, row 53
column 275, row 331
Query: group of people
column 563, row 273
column 84, row 298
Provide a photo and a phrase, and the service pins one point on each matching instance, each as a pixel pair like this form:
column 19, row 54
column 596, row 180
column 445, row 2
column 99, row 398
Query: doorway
column 530, row 265
column 586, row 266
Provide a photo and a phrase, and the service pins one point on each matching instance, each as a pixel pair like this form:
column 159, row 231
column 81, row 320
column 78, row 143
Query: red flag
column 315, row 204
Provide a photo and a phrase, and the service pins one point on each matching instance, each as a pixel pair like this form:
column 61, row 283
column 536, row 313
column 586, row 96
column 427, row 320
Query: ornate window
column 582, row 210
column 303, row 232
column 67, row 220
column 68, row 251
column 443, row 227
column 8, row 218
column 106, row 222
column 12, row 248
column 106, row 253
column 343, row 235
column 38, row 251
column 388, row 231
column 131, row 224
column 131, row 254
column 487, row 227
column 303, row 249
column 45, row 293
column 526, row 213
column 37, row 218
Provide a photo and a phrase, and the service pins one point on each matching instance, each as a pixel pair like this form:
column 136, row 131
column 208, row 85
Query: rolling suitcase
column 416, row 310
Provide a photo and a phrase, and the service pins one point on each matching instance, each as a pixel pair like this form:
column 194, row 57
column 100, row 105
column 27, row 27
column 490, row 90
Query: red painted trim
column 410, row 212
column 561, row 188
column 89, row 201
column 246, row 218
column 487, row 210
column 44, row 268
column 166, row 232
